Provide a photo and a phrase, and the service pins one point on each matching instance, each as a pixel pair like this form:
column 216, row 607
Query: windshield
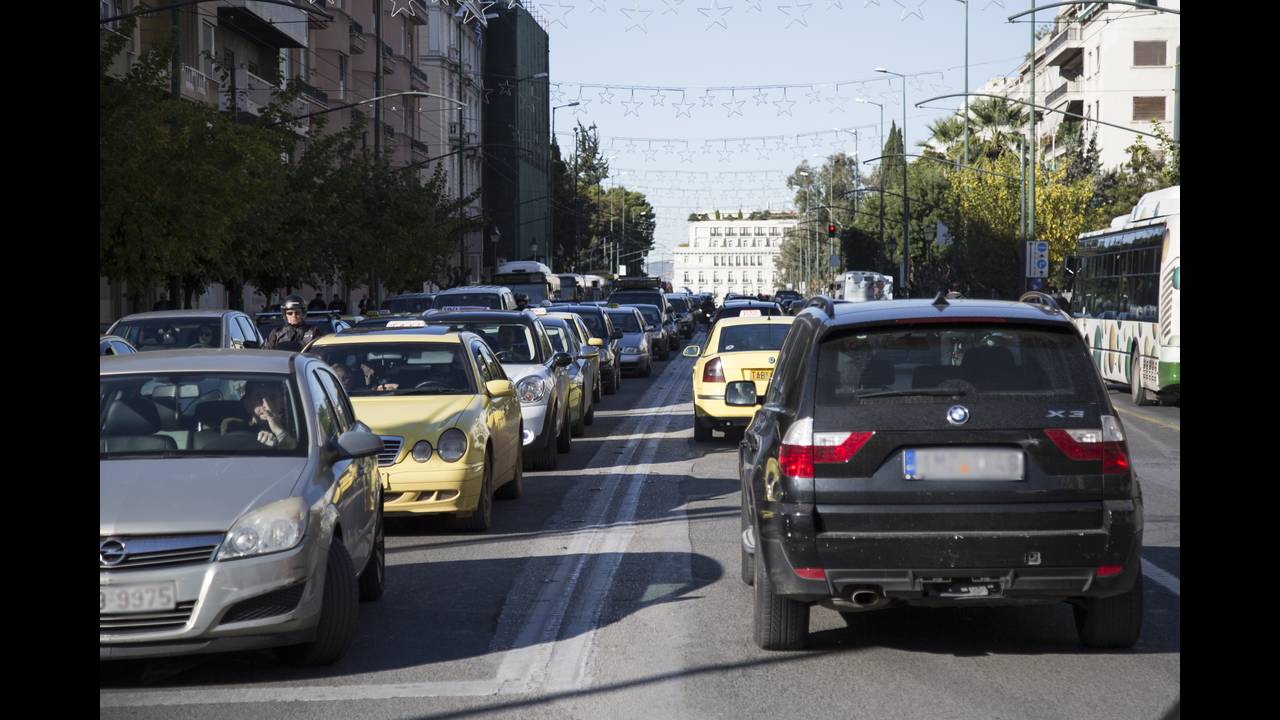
column 484, row 300
column 679, row 304
column 636, row 297
column 410, row 305
column 745, row 338
column 627, row 321
column 381, row 368
column 510, row 342
column 651, row 315
column 595, row 324
column 175, row 415
column 171, row 333
column 558, row 341
column 537, row 292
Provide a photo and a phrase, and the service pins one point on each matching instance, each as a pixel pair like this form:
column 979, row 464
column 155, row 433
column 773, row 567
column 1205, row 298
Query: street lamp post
column 966, row 79
column 550, row 194
column 873, row 102
column 906, row 207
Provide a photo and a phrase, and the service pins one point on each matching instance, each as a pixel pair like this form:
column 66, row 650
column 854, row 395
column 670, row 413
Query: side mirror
column 562, row 359
column 741, row 393
column 692, row 351
column 357, row 443
column 251, row 345
column 652, row 328
column 588, row 353
column 499, row 388
column 595, row 342
column 615, row 335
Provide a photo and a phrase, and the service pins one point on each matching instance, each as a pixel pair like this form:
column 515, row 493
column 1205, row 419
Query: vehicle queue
column 294, row 459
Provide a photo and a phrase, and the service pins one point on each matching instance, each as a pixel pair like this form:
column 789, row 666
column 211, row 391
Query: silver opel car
column 240, row 506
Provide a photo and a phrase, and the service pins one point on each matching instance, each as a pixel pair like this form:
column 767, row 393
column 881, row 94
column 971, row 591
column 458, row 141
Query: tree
column 997, row 125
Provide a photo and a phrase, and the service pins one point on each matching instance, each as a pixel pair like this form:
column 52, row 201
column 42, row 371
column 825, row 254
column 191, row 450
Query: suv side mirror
column 741, row 393
column 562, row 359
column 251, row 345
column 357, row 443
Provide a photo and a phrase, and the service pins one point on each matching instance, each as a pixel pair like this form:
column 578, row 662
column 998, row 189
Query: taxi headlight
column 422, row 451
column 271, row 528
column 531, row 390
column 452, row 445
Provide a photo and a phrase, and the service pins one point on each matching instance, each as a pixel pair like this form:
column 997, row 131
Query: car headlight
column 452, row 445
column 531, row 390
column 271, row 528
column 422, row 451
column 631, row 350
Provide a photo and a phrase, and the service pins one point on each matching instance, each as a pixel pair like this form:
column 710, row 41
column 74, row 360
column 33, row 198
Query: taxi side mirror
column 692, row 351
column 499, row 388
column 595, row 342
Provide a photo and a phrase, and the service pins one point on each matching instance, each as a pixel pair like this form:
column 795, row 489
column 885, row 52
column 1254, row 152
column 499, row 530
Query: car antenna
column 940, row 301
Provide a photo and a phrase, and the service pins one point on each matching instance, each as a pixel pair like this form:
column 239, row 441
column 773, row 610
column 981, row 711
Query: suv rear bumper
column 914, row 567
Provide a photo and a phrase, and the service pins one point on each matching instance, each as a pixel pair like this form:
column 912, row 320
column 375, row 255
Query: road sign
column 1037, row 259
column 622, row 270
column 835, row 261
column 1037, row 283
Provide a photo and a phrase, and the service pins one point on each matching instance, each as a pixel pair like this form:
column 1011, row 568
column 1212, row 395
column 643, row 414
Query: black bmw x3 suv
column 937, row 453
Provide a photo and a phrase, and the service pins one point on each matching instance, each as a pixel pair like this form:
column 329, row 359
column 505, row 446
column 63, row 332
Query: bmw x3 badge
column 957, row 414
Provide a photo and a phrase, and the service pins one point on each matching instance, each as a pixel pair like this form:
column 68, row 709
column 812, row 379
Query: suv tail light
column 713, row 371
column 802, row 448
column 1107, row 445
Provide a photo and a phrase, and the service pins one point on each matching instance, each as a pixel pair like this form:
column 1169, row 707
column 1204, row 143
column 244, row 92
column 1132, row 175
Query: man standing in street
column 317, row 303
column 337, row 304
column 294, row 334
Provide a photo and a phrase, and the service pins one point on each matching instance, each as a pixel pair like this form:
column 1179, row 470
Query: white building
column 724, row 256
column 1114, row 63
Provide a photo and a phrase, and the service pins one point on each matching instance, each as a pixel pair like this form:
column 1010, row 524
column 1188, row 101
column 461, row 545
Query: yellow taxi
column 740, row 348
column 448, row 416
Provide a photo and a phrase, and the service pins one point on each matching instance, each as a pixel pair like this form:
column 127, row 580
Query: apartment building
column 724, row 256
column 1114, row 63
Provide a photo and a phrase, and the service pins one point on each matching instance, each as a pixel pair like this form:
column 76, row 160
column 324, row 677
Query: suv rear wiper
column 937, row 392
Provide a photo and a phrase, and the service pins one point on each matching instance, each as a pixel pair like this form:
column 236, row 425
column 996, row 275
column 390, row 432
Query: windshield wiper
column 927, row 392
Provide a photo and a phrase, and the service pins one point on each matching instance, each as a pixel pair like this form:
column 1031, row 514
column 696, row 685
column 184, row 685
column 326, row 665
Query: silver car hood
column 517, row 372
column 188, row 495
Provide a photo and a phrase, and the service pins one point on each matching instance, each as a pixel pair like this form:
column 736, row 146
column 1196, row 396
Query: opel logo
column 957, row 414
column 111, row 552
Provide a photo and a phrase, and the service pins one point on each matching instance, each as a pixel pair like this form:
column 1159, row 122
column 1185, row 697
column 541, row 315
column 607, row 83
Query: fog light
column 526, row 437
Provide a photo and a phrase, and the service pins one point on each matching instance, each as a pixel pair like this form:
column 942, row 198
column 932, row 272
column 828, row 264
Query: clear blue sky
column 843, row 40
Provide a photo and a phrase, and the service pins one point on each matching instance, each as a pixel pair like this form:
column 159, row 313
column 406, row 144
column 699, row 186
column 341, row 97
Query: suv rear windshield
column 941, row 363
column 745, row 338
column 410, row 305
column 493, row 301
column 679, row 304
column 637, row 297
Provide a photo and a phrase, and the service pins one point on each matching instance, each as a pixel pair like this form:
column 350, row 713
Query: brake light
column 802, row 448
column 1107, row 445
column 1109, row 570
column 811, row 573
column 713, row 371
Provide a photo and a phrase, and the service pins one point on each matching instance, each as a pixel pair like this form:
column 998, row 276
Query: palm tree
column 946, row 137
column 997, row 123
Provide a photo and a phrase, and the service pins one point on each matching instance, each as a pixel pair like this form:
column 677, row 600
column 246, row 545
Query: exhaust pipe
column 865, row 598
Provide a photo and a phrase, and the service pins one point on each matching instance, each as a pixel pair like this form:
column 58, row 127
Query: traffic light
column 831, row 230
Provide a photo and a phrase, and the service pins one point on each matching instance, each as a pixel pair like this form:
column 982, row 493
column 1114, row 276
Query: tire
column 548, row 458
column 615, row 379
column 564, row 441
column 778, row 623
column 373, row 579
column 339, row 613
column 1111, row 622
column 648, row 369
column 1139, row 394
column 580, row 426
column 701, row 430
column 596, row 394
column 748, row 566
column 514, row 487
column 591, row 416
column 482, row 519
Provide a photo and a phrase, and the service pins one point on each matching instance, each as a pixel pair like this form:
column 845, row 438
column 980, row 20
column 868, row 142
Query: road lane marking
column 1166, row 580
column 295, row 693
column 1148, row 418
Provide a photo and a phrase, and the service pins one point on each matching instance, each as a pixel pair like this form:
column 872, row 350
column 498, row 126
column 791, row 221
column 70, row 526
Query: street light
column 881, row 106
column 906, row 211
column 550, row 194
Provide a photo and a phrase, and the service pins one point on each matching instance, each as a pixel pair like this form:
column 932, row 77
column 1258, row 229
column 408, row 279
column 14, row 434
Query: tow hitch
column 962, row 588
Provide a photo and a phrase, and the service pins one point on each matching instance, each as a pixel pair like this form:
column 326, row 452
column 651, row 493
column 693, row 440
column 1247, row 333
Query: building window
column 207, row 50
column 731, row 232
column 701, row 278
column 342, row 76
column 730, row 276
column 1148, row 52
column 1146, row 109
column 686, row 276
column 715, row 276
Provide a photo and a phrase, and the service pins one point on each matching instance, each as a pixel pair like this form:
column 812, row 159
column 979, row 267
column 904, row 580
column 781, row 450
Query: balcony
column 252, row 94
column 357, row 38
column 278, row 26
column 418, row 80
column 388, row 60
column 195, row 84
column 1068, row 91
column 314, row 94
column 1065, row 47
column 419, row 148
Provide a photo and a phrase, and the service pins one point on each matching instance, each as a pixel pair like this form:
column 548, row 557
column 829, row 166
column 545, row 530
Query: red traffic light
column 831, row 229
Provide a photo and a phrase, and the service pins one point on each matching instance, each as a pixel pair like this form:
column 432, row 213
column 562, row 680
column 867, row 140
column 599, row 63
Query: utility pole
column 375, row 285
column 577, row 205
column 1031, row 148
column 462, row 188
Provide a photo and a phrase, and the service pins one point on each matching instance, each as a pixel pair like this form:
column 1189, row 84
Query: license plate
column 136, row 598
column 761, row 374
column 982, row 464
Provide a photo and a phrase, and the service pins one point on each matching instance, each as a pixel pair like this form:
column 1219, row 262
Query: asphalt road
column 611, row 590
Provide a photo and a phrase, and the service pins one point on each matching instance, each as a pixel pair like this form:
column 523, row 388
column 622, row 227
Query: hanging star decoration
column 582, row 103
column 407, row 6
column 632, row 106
column 557, row 95
column 761, row 97
column 730, row 106
column 657, row 98
column 505, row 87
column 906, row 12
column 726, row 155
column 763, row 153
column 686, row 105
column 837, row 101
column 814, row 95
column 558, row 15
column 716, row 14
column 868, row 3
column 634, row 13
column 630, row 146
column 796, row 13
column 598, row 5
column 784, row 105
column 511, row 4
column 650, row 155
column 606, row 97
column 993, row 2
column 754, row 6
column 835, row 5
column 673, row 7
column 708, row 99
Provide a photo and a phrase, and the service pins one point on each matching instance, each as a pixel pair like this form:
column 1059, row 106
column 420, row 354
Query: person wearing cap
column 294, row 334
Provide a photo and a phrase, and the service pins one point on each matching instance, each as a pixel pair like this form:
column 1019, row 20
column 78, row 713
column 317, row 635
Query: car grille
column 274, row 603
column 151, row 551
column 390, row 450
column 147, row 622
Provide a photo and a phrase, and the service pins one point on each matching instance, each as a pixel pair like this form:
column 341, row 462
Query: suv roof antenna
column 940, row 301
column 823, row 302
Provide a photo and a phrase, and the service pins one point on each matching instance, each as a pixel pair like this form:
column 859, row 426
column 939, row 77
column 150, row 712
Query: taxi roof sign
column 752, row 312
column 539, row 311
